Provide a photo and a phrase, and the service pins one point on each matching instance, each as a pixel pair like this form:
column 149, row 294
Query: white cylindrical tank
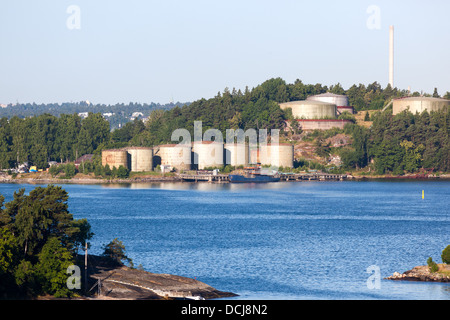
column 309, row 109
column 278, row 155
column 174, row 155
column 236, row 154
column 141, row 159
column 207, row 154
column 115, row 158
column 419, row 104
column 336, row 99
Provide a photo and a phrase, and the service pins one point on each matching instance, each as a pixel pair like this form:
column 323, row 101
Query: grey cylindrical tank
column 338, row 100
column 175, row 155
column 141, row 159
column 309, row 109
column 208, row 154
column 236, row 154
column 281, row 155
column 419, row 104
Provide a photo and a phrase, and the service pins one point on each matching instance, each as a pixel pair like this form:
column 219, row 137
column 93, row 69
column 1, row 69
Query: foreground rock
column 121, row 282
column 422, row 273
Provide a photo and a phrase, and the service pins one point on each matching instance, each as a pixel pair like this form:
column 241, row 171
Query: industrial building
column 320, row 112
column 140, row 159
column 419, row 104
column 200, row 155
column 309, row 109
column 336, row 99
column 236, row 154
column 115, row 158
column 278, row 155
column 173, row 155
column 207, row 154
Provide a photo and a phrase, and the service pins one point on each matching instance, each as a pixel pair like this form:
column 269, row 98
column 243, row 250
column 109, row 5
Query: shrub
column 116, row 251
column 432, row 265
column 446, row 255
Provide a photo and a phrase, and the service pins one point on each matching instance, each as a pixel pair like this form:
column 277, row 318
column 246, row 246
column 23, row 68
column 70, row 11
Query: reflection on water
column 200, row 186
column 285, row 240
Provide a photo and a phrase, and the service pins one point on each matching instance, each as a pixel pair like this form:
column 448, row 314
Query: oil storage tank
column 279, row 155
column 207, row 154
column 173, row 155
column 236, row 154
column 310, row 109
column 336, row 99
column 140, row 159
column 115, row 158
column 419, row 104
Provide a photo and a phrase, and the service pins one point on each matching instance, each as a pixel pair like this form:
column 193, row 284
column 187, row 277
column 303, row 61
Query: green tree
column 122, row 172
column 116, row 251
column 54, row 259
column 432, row 265
column 446, row 255
column 70, row 170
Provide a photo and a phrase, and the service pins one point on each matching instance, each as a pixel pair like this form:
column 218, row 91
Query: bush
column 432, row 265
column 446, row 255
column 116, row 251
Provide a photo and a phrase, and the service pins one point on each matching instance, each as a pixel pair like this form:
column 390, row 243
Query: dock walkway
column 223, row 178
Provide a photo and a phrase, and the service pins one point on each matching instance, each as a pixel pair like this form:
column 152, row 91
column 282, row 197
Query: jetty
column 223, row 178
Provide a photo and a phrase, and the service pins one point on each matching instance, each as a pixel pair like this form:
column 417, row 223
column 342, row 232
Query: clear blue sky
column 153, row 51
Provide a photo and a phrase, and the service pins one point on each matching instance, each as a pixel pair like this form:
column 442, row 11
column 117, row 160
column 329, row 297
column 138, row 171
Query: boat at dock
column 252, row 178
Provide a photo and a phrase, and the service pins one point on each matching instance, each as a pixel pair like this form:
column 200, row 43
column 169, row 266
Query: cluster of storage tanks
column 328, row 106
column 322, row 106
column 320, row 111
column 199, row 156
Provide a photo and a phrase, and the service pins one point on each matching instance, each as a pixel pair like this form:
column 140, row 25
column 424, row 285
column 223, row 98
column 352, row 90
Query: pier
column 319, row 176
column 223, row 178
column 205, row 177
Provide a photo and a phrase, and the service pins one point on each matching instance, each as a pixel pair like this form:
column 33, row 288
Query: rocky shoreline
column 422, row 273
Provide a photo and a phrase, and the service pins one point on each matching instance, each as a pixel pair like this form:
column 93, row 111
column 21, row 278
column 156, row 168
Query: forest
column 39, row 240
column 401, row 143
column 118, row 114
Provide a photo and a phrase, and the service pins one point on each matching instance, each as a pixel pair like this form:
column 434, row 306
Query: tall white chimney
column 391, row 56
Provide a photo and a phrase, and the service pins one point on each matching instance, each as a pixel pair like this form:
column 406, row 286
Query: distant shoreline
column 159, row 179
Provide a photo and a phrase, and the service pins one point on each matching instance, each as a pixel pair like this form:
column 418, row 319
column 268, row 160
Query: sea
column 276, row 241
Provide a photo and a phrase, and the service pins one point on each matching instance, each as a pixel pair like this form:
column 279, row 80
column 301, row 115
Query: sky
column 109, row 51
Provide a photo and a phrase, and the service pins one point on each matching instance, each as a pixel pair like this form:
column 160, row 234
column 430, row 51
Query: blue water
column 305, row 240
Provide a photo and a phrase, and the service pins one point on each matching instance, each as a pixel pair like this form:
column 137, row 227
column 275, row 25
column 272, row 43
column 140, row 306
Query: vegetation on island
column 405, row 143
column 434, row 267
column 40, row 240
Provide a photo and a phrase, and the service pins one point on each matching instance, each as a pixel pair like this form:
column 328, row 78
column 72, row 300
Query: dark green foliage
column 407, row 142
column 446, row 255
column 45, row 138
column 432, row 265
column 116, row 251
column 38, row 241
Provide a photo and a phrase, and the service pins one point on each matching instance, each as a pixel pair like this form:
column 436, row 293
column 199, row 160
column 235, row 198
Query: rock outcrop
column 422, row 273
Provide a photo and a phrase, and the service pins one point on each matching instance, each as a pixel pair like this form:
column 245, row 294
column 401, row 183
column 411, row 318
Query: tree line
column 404, row 143
column 47, row 137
